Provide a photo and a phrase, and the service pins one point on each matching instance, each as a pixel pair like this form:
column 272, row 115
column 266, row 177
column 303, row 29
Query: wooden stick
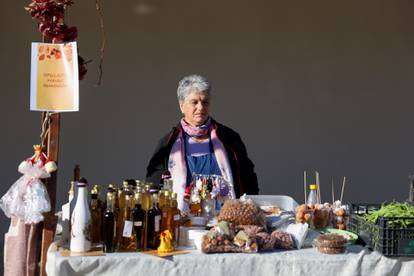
column 318, row 191
column 333, row 192
column 304, row 186
column 50, row 220
column 343, row 188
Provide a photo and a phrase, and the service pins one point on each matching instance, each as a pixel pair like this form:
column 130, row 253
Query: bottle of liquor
column 176, row 217
column 122, row 209
column 132, row 184
column 168, row 184
column 146, row 205
column 76, row 173
column 166, row 214
column 112, row 188
column 96, row 213
column 146, row 198
column 71, row 192
column 127, row 240
column 153, row 227
column 161, row 198
column 164, row 176
column 139, row 219
column 81, row 221
column 76, row 178
column 109, row 222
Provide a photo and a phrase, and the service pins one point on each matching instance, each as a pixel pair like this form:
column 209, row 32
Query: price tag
column 127, row 229
column 176, row 217
column 137, row 223
column 157, row 223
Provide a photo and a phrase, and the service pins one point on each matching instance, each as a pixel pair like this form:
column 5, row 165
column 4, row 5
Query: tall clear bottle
column 81, row 221
column 139, row 220
column 146, row 198
column 153, row 227
column 74, row 193
column 146, row 205
column 127, row 240
column 176, row 218
column 109, row 223
column 96, row 213
column 166, row 214
column 123, row 206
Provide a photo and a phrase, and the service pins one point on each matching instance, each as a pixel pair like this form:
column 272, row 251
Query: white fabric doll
column 27, row 198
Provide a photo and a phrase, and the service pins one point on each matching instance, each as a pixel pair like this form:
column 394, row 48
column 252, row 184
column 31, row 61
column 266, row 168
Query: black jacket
column 244, row 177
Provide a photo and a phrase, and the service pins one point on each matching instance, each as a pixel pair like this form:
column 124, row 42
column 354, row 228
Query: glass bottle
column 176, row 217
column 168, row 184
column 81, row 221
column 139, row 220
column 96, row 214
column 153, row 226
column 161, row 198
column 127, row 239
column 122, row 211
column 146, row 198
column 71, row 193
column 72, row 204
column 76, row 173
column 166, row 214
column 109, row 223
column 411, row 190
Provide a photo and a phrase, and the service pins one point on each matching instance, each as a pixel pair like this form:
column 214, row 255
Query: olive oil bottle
column 109, row 223
column 153, row 227
column 176, row 218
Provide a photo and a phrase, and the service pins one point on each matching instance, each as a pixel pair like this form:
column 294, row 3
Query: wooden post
column 50, row 221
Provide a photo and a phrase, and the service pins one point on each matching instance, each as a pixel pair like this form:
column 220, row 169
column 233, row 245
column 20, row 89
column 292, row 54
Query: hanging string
column 46, row 127
column 101, row 22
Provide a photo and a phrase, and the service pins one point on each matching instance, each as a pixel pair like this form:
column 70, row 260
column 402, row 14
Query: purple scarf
column 196, row 131
column 178, row 167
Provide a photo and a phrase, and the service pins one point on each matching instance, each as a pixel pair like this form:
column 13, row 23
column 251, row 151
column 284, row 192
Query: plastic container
column 381, row 237
column 285, row 202
column 195, row 237
column 198, row 221
column 184, row 239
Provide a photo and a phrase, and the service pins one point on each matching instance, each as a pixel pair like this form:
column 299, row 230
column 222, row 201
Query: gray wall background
column 309, row 85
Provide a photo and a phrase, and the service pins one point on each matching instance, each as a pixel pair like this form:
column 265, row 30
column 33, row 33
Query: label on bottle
column 157, row 223
column 165, row 214
column 176, row 217
column 137, row 223
column 127, row 229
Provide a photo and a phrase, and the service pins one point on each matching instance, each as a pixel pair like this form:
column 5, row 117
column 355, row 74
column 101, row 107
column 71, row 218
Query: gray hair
column 192, row 84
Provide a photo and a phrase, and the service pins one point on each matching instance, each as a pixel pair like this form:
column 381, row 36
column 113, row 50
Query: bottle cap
column 95, row 189
column 132, row 182
column 111, row 188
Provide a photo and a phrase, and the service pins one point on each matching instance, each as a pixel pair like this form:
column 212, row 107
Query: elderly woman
column 199, row 144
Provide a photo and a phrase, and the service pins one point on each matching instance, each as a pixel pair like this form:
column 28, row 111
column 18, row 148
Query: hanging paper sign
column 54, row 84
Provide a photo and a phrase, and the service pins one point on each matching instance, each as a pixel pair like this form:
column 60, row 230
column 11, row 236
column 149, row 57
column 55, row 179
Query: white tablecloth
column 357, row 261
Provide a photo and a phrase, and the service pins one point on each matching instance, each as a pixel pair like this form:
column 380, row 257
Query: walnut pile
column 241, row 213
column 265, row 241
column 283, row 240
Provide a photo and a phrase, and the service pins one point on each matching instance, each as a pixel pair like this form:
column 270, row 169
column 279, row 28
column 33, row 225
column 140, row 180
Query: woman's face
column 196, row 108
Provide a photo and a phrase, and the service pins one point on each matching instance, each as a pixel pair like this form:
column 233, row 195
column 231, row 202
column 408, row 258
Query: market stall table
column 357, row 261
